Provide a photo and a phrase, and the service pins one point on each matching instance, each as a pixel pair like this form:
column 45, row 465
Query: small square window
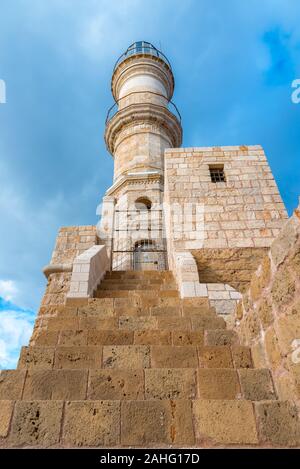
column 217, row 174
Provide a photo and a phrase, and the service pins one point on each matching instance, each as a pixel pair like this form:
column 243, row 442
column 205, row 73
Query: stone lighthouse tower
column 139, row 127
column 157, row 329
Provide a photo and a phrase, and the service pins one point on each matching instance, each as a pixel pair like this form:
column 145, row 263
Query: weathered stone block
column 207, row 322
column 283, row 288
column 259, row 355
column 166, row 311
column 173, row 323
column 170, row 383
column 220, row 337
column 287, row 329
column 36, row 357
column 241, row 357
column 92, row 423
column 188, row 338
column 152, row 337
column 78, row 357
column 46, row 338
column 97, row 323
column 55, row 384
column 59, row 323
column 147, row 423
column 218, row 383
column 260, row 279
column 273, row 352
column 126, row 356
column 73, row 338
column 6, row 410
column 107, row 337
column 224, row 422
column 265, row 313
column 174, row 357
column 116, row 384
column 138, row 323
column 11, row 384
column 36, row 423
column 257, row 385
column 278, row 423
column 215, row 357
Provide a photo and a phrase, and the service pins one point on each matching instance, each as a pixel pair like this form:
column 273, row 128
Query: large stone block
column 6, row 410
column 220, row 337
column 36, row 357
column 92, row 423
column 283, row 289
column 55, row 384
column 97, row 323
column 278, row 423
column 116, row 384
column 36, row 423
column 265, row 313
column 152, row 337
column 260, row 279
column 166, row 311
column 78, row 357
column 61, row 323
column 272, row 348
column 126, row 356
column 257, row 385
column 152, row 423
column 287, row 329
column 207, row 322
column 188, row 338
column 215, row 357
column 173, row 323
column 218, row 383
column 241, row 356
column 219, row 422
column 44, row 338
column 73, row 338
column 170, row 383
column 138, row 323
column 174, row 357
column 113, row 337
column 11, row 384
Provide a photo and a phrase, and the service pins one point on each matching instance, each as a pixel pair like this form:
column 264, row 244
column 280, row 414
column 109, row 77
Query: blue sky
column 234, row 62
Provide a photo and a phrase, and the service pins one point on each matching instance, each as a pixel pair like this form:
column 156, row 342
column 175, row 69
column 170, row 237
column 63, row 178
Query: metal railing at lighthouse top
column 142, row 48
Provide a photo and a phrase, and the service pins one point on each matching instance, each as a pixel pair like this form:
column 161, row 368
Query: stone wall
column 244, row 211
column 70, row 242
column 268, row 317
column 226, row 226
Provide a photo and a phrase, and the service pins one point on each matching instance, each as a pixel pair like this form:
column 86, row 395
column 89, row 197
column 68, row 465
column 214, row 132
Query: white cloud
column 8, row 289
column 15, row 330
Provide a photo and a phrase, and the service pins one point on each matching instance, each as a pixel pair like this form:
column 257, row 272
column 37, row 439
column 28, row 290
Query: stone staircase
column 140, row 367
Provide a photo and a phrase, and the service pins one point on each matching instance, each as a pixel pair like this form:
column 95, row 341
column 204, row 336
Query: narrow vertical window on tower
column 217, row 173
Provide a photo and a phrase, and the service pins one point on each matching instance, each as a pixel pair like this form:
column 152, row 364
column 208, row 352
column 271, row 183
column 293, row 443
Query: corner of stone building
column 71, row 241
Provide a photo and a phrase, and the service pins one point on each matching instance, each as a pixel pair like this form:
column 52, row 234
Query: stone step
column 134, row 356
column 149, row 423
column 143, row 274
column 118, row 307
column 146, row 293
column 136, row 299
column 133, row 384
column 108, row 285
column 136, row 336
column 133, row 322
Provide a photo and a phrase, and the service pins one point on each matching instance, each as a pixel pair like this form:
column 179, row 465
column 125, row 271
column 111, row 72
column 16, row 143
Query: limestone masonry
column 175, row 321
